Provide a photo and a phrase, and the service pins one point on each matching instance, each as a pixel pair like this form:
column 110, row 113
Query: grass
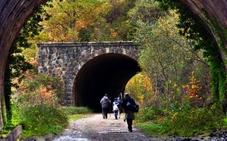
column 225, row 122
column 76, row 117
column 74, row 113
column 150, row 128
column 70, row 110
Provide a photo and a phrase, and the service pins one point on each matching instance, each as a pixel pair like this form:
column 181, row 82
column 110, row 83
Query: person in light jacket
column 115, row 108
column 105, row 103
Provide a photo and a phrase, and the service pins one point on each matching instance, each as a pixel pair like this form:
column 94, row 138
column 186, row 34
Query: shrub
column 35, row 106
column 43, row 84
column 40, row 120
column 193, row 121
column 149, row 114
column 181, row 121
column 150, row 128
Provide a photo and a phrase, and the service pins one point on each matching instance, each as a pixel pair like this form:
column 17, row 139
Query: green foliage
column 146, row 11
column 150, row 128
column 199, row 33
column 85, row 34
column 35, row 106
column 193, row 121
column 166, row 56
column 225, row 122
column 149, row 113
column 181, row 121
column 41, row 120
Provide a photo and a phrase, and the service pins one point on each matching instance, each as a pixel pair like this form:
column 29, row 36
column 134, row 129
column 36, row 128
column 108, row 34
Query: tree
column 165, row 54
column 88, row 20
column 71, row 19
column 140, row 88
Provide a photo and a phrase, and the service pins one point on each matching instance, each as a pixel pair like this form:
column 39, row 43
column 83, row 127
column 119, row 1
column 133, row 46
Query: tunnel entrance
column 108, row 73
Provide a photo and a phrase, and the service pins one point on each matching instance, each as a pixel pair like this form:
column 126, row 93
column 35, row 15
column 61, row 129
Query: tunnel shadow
column 108, row 73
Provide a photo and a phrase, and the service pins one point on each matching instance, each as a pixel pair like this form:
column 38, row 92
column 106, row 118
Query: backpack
column 133, row 107
column 136, row 108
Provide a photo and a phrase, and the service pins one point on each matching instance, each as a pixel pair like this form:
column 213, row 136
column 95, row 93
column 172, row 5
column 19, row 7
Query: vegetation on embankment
column 185, row 121
column 187, row 76
column 36, row 107
column 184, row 115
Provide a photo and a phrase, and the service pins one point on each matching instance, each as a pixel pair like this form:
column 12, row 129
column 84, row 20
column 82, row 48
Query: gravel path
column 94, row 128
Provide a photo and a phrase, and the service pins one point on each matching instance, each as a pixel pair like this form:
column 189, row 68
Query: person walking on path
column 119, row 101
column 115, row 108
column 128, row 104
column 105, row 103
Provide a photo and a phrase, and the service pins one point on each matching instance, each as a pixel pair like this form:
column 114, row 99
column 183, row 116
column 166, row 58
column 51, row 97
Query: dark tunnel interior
column 107, row 73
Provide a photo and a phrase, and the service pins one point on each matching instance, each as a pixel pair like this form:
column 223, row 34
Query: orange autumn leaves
column 192, row 89
column 37, row 90
column 47, row 96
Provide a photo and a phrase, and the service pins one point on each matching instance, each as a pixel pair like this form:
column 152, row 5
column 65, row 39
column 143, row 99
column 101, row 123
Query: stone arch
column 106, row 73
column 66, row 59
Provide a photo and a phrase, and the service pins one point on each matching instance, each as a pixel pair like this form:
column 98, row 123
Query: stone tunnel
column 89, row 70
column 107, row 73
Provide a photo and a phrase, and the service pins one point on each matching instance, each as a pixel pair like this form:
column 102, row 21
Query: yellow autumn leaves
column 140, row 87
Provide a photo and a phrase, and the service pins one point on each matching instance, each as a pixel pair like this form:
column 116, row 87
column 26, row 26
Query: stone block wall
column 67, row 58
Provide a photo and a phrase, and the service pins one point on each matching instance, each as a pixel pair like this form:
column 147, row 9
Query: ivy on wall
column 200, row 36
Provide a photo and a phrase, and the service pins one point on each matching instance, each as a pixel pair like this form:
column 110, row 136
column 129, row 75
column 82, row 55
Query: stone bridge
column 89, row 70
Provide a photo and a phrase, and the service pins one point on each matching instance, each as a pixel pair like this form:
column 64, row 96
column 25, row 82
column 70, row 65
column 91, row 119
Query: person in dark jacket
column 129, row 114
column 105, row 103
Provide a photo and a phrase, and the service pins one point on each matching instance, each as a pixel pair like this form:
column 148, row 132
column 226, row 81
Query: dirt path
column 94, row 128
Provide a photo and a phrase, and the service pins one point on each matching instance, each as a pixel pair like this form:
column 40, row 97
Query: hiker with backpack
column 130, row 107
